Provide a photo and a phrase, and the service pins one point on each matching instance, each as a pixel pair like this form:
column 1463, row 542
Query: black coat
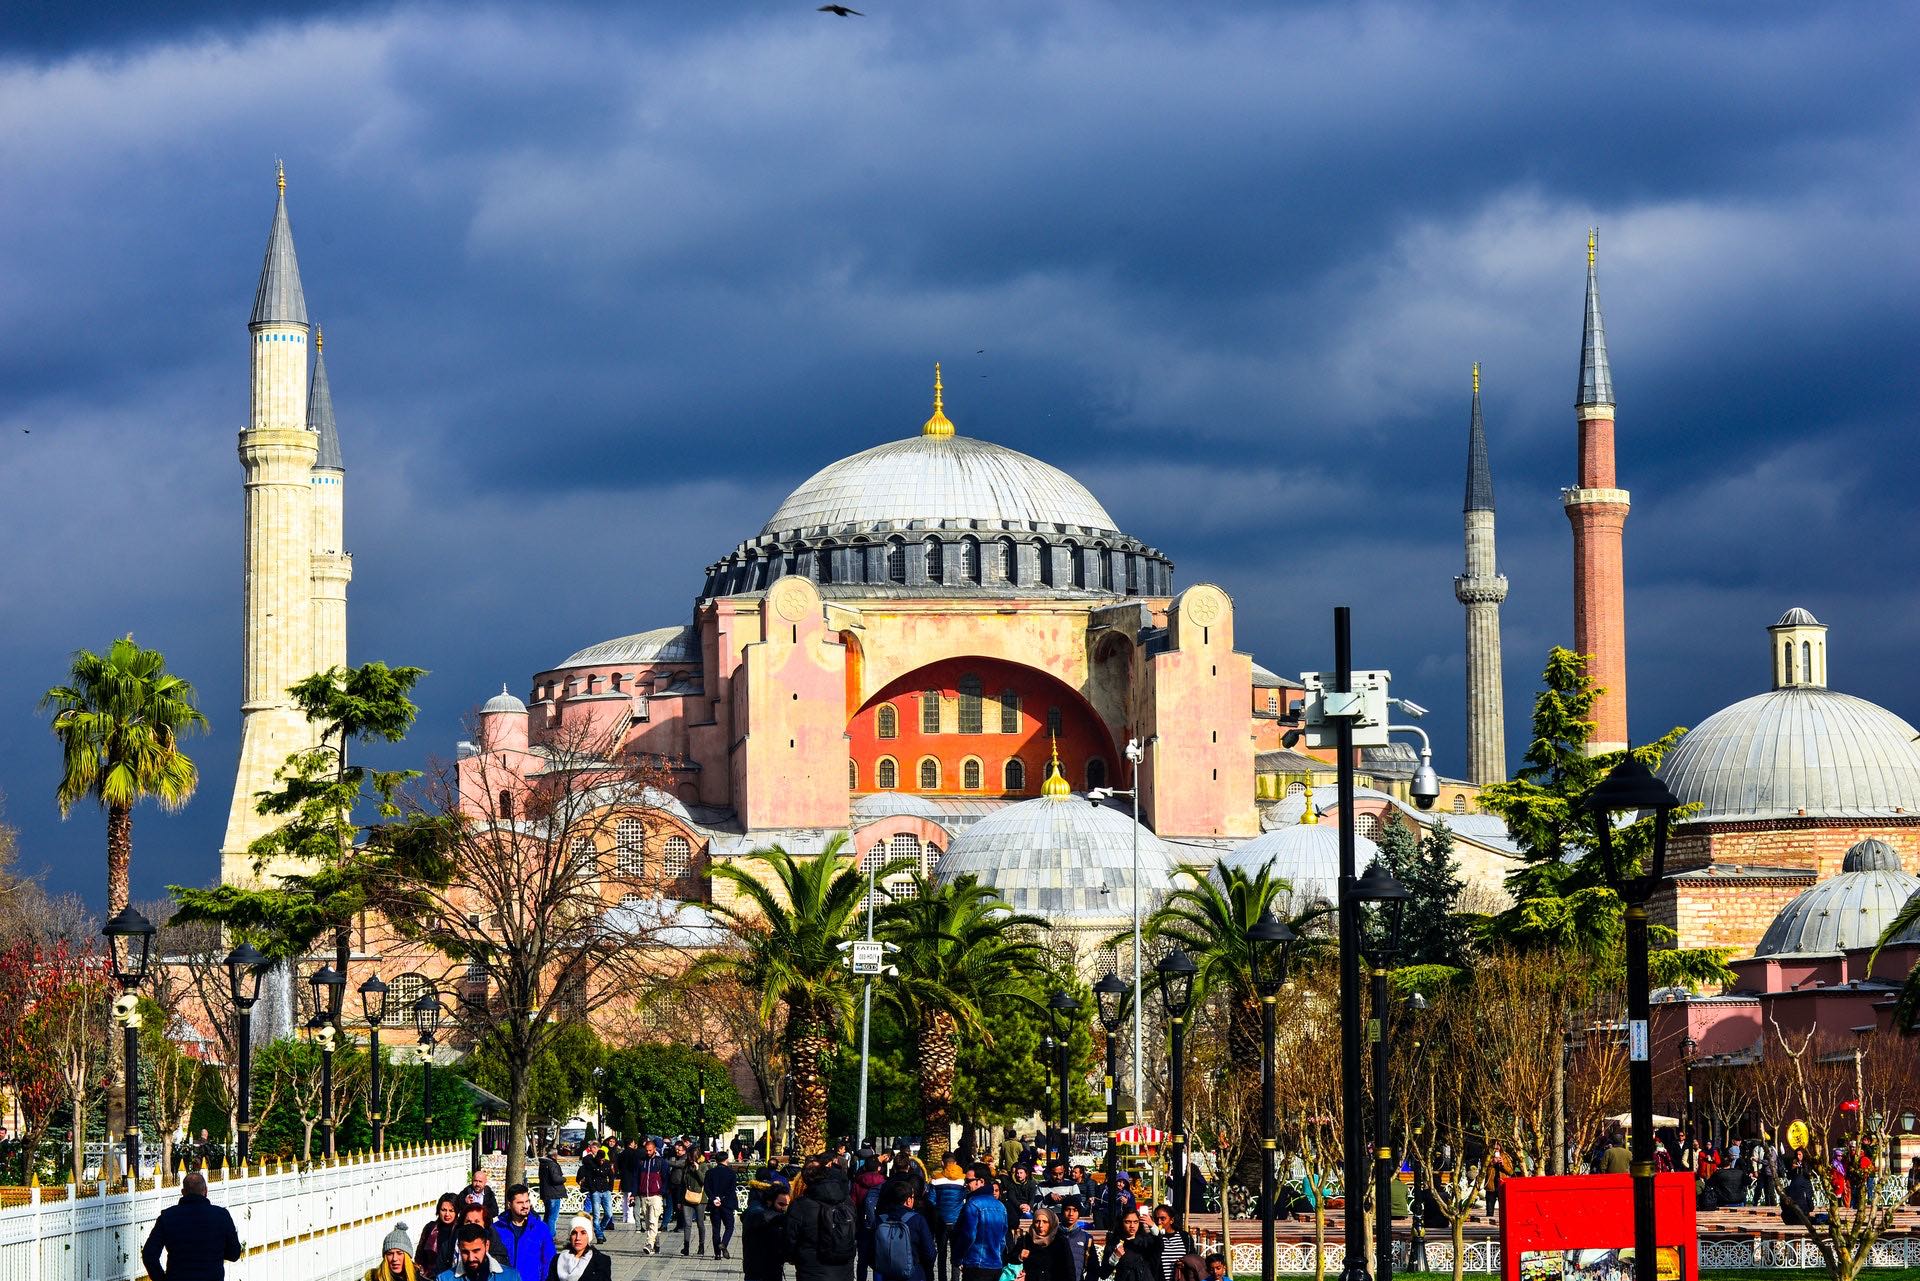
column 1050, row 1262
column 763, row 1245
column 553, row 1180
column 595, row 1173
column 198, row 1238
column 628, row 1165
column 599, row 1267
column 806, row 1229
column 470, row 1195
column 1141, row 1262
column 434, row 1254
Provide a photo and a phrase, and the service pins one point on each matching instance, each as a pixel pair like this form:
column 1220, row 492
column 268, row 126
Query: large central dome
column 938, row 479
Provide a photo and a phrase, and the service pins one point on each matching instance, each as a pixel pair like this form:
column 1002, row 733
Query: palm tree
column 961, row 950
column 791, row 914
column 119, row 719
column 1209, row 919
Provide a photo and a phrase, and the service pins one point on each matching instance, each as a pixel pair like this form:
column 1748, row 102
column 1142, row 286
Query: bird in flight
column 840, row 10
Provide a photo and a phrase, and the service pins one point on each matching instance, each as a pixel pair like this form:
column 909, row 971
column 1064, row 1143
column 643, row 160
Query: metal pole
column 866, row 1009
column 1179, row 1172
column 244, row 1104
column 1640, row 1083
column 326, row 1098
column 703, row 1106
column 1139, row 1056
column 379, row 1128
column 426, row 1093
column 1269, row 1141
column 1354, row 1177
column 1113, row 1124
column 1061, row 1142
column 131, row 1043
column 1382, row 1141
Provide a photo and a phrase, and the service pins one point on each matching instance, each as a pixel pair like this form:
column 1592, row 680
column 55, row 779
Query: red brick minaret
column 1598, row 512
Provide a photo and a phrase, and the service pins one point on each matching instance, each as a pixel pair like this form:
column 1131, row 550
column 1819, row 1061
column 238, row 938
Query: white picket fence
column 323, row 1223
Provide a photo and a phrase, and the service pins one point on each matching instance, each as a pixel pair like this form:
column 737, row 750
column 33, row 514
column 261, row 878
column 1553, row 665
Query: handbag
column 691, row 1196
column 1011, row 1272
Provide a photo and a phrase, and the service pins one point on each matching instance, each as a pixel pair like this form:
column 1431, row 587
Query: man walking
column 553, row 1188
column 473, row 1258
column 478, row 1193
column 650, row 1190
column 529, row 1242
column 822, row 1229
column 196, row 1236
column 722, row 1192
column 980, row 1234
column 596, row 1180
column 628, row 1166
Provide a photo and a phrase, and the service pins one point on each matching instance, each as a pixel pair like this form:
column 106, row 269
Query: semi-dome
column 878, row 805
column 1305, row 855
column 1845, row 911
column 661, row 645
column 503, row 702
column 1802, row 749
column 1063, row 859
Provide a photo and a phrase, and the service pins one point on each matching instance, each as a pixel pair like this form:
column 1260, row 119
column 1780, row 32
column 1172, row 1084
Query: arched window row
column 950, row 559
column 973, row 775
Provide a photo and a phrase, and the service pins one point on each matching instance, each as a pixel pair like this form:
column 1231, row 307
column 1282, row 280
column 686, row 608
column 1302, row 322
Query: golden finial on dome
column 319, row 338
column 280, row 176
column 1307, row 816
column 1056, row 785
column 938, row 424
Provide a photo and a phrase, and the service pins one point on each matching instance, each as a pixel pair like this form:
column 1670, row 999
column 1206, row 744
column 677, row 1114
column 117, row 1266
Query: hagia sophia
column 939, row 645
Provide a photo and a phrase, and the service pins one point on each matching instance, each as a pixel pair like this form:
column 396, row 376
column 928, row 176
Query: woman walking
column 1042, row 1250
column 693, row 1199
column 579, row 1260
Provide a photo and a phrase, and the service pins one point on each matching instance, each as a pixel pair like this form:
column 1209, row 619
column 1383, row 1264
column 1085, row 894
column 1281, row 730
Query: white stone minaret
column 1481, row 589
column 332, row 566
column 277, row 453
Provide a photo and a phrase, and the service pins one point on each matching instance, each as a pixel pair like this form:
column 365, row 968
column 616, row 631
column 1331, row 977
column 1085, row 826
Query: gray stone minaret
column 1481, row 589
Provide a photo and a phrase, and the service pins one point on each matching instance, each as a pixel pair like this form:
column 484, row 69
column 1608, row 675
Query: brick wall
column 1818, row 845
column 1732, row 913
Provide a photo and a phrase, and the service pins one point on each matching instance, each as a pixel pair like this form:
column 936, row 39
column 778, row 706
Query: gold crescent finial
column 1056, row 785
column 1476, row 378
column 938, row 424
column 319, row 338
column 280, row 176
column 1307, row 816
column 1593, row 239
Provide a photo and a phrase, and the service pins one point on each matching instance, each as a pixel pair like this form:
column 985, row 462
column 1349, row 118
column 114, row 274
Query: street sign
column 1637, row 1040
column 868, row 958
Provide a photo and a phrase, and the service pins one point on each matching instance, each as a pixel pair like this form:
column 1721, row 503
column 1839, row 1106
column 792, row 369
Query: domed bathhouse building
column 1789, row 783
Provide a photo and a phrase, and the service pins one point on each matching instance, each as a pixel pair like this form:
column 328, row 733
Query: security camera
column 1410, row 707
column 1289, row 738
column 1134, row 752
column 1426, row 784
column 126, row 1010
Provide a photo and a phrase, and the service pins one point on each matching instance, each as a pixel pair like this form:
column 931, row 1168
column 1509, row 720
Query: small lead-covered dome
column 1797, row 617
column 1063, row 859
column 1305, row 855
column 1846, row 911
column 1872, row 855
column 503, row 703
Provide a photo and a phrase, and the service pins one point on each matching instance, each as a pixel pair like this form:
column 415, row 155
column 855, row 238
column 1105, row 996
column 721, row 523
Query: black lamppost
column 1176, row 972
column 702, row 1050
column 426, row 1024
column 1688, row 1048
column 129, row 940
column 1110, row 996
column 1379, row 886
column 1633, row 787
column 244, row 965
column 373, row 1003
column 328, row 984
column 1270, row 942
column 1063, row 1007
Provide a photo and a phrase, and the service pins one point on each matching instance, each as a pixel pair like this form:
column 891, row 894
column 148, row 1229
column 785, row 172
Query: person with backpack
column 945, row 1195
column 980, row 1233
column 823, row 1227
column 903, row 1245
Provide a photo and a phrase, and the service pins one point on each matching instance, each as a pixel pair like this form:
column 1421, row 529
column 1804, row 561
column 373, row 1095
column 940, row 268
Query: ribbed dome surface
column 661, row 645
column 1793, row 749
column 1846, row 911
column 1306, row 856
column 503, row 702
column 1797, row 617
column 879, row 805
column 936, row 479
column 1064, row 859
column 1871, row 855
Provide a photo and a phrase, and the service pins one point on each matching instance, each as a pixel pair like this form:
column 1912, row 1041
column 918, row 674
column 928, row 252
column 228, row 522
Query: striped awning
column 1140, row 1136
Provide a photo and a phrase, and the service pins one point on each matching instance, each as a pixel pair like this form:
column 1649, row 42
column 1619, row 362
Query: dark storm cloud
column 600, row 285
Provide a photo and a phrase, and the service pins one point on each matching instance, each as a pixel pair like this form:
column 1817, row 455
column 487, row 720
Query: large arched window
column 1806, row 661
column 1096, row 772
column 970, row 559
column 1009, row 712
column 853, row 775
column 1106, row 568
column 823, row 563
column 1053, row 720
column 930, row 712
column 1045, row 554
column 1003, row 551
column 886, row 722
column 403, row 994
column 896, row 561
column 1014, row 775
column 1786, row 663
column 886, row 774
column 678, row 857
column 971, row 721
column 630, row 848
column 970, row 774
column 904, row 845
column 936, row 563
column 930, row 859
column 1078, row 565
column 929, row 774
column 1367, row 825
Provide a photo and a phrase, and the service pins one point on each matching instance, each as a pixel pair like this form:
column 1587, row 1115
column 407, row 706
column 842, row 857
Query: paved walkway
column 630, row 1264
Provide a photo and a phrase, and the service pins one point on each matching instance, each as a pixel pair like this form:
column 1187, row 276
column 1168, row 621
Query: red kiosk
column 1579, row 1227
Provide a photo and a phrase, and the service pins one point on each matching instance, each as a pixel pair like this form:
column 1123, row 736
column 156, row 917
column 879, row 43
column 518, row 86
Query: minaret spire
column 320, row 410
column 1481, row 589
column 1597, row 508
column 279, row 299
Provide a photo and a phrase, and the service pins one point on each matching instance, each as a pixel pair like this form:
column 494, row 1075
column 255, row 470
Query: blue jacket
column 529, row 1247
column 920, row 1236
column 947, row 1196
column 982, row 1228
column 496, row 1271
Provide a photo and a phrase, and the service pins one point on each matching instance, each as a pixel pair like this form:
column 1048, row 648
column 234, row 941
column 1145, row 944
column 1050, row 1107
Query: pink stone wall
column 1198, row 779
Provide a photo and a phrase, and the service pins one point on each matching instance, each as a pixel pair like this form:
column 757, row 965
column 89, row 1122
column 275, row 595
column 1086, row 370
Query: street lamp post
column 129, row 940
column 244, row 966
column 373, row 1003
column 328, row 984
column 1631, row 786
column 1270, row 942
column 1688, row 1048
column 1063, row 1007
column 426, row 1024
column 1135, row 754
column 1379, row 886
column 1110, row 996
column 1176, row 972
column 701, row 1070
